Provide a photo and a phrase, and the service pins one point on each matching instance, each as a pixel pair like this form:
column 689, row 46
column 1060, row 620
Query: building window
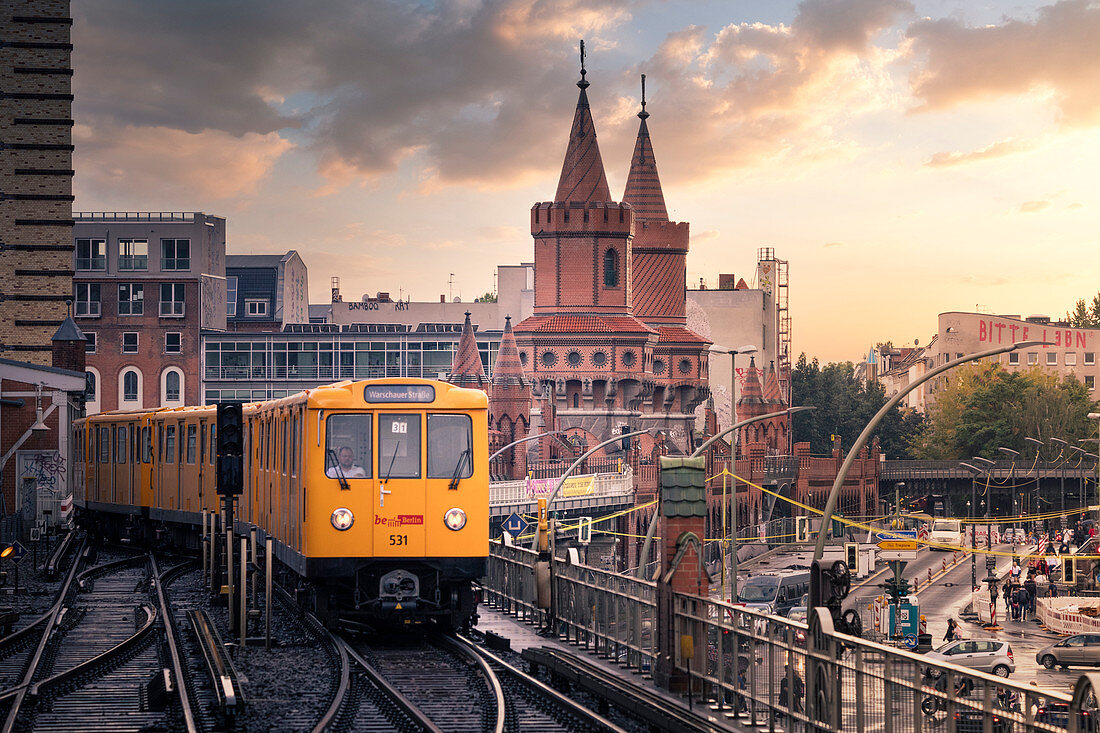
column 231, row 296
column 611, row 269
column 1032, row 358
column 255, row 307
column 1090, row 381
column 629, row 358
column 1052, row 358
column 171, row 299
column 131, row 299
column 133, row 254
column 1090, row 358
column 1071, row 358
column 1014, row 357
column 91, row 254
column 89, row 343
column 87, row 300
column 129, row 342
column 90, row 387
column 175, row 254
column 172, row 386
column 599, row 358
column 574, row 358
column 658, row 366
column 172, row 342
column 549, row 358
column 685, row 366
column 129, row 386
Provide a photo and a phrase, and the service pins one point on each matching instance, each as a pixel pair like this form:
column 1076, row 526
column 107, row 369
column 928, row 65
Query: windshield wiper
column 339, row 471
column 460, row 464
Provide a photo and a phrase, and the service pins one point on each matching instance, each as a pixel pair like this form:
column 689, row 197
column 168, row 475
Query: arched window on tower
column 611, row 269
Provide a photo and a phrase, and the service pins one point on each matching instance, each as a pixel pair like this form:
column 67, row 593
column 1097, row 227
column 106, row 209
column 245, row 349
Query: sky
column 906, row 157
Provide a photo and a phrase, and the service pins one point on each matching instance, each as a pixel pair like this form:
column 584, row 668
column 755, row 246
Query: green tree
column 844, row 406
column 984, row 406
column 1085, row 316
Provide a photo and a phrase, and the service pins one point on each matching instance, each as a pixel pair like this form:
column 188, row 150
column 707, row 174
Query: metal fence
column 603, row 484
column 786, row 677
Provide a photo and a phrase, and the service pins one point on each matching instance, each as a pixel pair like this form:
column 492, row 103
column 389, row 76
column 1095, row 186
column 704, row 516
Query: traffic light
column 896, row 590
column 802, row 529
column 1069, row 570
column 230, row 443
column 851, row 555
column 623, row 430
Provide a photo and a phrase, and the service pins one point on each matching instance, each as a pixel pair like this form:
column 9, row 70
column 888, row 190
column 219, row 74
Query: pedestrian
column 952, row 630
column 1022, row 602
column 1031, row 588
column 1015, row 571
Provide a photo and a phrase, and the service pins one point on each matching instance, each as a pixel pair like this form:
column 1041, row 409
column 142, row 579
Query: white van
column 946, row 532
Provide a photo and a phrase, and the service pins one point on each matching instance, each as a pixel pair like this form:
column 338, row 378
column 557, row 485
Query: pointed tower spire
column 773, row 393
column 509, row 369
column 643, row 185
column 582, row 173
column 466, row 369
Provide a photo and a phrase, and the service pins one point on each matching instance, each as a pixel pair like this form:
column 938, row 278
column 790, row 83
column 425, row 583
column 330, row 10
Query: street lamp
column 970, row 507
column 1062, row 445
column 990, row 561
column 834, row 493
column 1081, row 483
column 1096, row 416
column 1013, row 455
column 1038, row 457
column 746, row 349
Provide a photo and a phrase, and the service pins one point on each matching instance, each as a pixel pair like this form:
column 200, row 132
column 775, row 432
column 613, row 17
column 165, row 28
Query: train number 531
column 399, row 539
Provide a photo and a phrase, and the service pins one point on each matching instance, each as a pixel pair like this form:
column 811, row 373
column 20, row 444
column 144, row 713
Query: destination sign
column 897, row 545
column 399, row 393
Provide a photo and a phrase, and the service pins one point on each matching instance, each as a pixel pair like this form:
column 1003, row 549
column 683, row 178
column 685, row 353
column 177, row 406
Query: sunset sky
column 906, row 158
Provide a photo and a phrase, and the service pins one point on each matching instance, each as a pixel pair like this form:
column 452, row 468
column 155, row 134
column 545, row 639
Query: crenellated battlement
column 593, row 217
column 661, row 235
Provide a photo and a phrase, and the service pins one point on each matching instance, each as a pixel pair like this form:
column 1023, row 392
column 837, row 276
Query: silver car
column 1083, row 649
column 986, row 655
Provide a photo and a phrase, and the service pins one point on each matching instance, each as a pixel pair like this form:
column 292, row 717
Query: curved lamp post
column 834, row 493
column 1017, row 509
column 523, row 440
column 698, row 452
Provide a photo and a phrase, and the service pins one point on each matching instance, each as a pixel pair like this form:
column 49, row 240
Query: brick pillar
column 684, row 510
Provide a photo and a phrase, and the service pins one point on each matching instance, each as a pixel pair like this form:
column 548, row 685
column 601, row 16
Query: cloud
column 1033, row 207
column 128, row 162
column 1054, row 53
column 502, row 233
column 705, row 235
column 832, row 244
column 995, row 150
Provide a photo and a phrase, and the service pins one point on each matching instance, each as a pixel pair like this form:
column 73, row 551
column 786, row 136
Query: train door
column 180, row 444
column 202, row 474
column 400, row 489
column 135, row 457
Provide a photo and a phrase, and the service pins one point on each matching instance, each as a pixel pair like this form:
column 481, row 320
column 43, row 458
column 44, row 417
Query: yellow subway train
column 375, row 493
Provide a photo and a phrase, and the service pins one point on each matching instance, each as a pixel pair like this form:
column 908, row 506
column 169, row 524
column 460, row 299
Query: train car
column 375, row 493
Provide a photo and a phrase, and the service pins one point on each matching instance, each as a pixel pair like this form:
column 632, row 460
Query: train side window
column 160, row 443
column 170, row 444
column 191, row 443
column 213, row 444
column 399, row 446
column 202, row 443
column 294, row 442
column 104, row 445
column 450, row 446
column 146, row 444
column 348, row 446
column 120, row 444
column 285, row 421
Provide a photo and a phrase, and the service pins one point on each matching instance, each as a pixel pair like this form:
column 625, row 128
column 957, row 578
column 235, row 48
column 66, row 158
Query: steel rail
column 168, row 621
column 407, row 706
column 598, row 722
column 487, row 671
column 51, row 621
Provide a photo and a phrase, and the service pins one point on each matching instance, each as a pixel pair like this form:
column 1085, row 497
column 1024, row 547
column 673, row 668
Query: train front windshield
column 759, row 592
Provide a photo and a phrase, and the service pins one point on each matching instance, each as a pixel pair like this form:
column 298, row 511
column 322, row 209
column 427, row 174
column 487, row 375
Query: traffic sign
column 898, row 534
column 911, row 641
column 514, row 524
column 897, row 554
column 18, row 552
column 897, row 545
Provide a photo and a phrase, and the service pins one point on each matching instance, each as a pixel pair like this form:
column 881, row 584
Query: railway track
column 98, row 664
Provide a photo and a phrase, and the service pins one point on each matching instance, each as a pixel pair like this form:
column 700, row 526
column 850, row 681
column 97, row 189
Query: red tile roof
column 583, row 324
column 582, row 172
column 676, row 334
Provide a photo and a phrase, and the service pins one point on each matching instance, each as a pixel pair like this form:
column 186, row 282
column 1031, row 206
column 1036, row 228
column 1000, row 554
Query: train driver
column 347, row 465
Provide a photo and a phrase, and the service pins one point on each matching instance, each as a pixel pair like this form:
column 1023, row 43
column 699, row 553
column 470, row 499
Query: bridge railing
column 862, row 685
column 786, row 676
column 529, row 490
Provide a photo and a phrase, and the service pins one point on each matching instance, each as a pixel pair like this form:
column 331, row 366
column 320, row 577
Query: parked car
column 1083, row 649
column 986, row 655
column 799, row 613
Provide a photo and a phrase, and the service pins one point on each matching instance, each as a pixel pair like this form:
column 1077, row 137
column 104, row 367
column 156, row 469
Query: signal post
column 230, row 484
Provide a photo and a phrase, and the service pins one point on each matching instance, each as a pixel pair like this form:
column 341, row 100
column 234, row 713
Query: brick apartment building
column 35, row 176
column 145, row 286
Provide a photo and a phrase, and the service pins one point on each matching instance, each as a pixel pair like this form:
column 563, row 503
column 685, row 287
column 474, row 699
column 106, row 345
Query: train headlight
column 455, row 519
column 342, row 518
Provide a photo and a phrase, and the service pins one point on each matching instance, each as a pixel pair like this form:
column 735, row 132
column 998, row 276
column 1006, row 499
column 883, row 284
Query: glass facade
column 266, row 366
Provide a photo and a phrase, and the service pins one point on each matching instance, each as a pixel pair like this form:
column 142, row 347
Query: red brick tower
column 777, row 429
column 658, row 272
column 583, row 349
column 510, row 405
column 466, row 368
column 751, row 403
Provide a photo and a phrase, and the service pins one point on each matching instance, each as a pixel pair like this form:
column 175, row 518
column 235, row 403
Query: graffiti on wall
column 43, row 472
